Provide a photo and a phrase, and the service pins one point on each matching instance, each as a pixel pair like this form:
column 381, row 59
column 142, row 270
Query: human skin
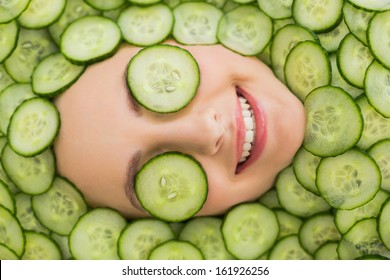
column 100, row 132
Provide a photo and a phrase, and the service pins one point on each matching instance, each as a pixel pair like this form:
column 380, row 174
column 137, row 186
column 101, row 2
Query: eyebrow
column 132, row 169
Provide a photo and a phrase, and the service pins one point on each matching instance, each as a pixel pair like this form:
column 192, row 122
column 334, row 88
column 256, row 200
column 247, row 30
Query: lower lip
column 260, row 133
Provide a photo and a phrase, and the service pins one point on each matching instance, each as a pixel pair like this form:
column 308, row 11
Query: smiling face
column 243, row 126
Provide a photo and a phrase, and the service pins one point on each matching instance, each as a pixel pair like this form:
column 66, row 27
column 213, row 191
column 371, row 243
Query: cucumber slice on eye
column 33, row 127
column 172, row 186
column 163, row 78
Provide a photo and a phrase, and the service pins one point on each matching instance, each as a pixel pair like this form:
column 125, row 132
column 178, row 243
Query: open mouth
column 251, row 130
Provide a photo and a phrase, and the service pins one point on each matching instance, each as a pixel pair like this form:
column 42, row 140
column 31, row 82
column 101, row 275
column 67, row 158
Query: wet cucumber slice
column 90, row 39
column 196, row 23
column 96, row 234
column 334, row 122
column 176, row 250
column 32, row 175
column 348, row 180
column 141, row 236
column 33, row 127
column 205, row 233
column 60, row 207
column 172, row 186
column 249, row 230
column 163, row 78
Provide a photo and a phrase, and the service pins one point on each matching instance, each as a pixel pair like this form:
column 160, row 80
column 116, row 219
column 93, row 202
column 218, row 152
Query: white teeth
column 249, row 123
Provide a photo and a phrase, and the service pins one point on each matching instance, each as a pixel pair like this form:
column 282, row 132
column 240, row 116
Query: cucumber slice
column 141, row 236
column 353, row 59
column 74, row 9
column 345, row 219
column 96, row 234
column 288, row 223
column 357, row 21
column 372, row 5
column 163, row 78
column 60, row 207
column 380, row 152
column 245, row 29
column 11, row 9
column 32, row 175
column 90, row 39
column 327, row 251
column 331, row 40
column 319, row 16
column 26, row 216
column 146, row 25
column 205, row 233
column 104, row 5
column 270, row 199
column 5, row 79
column 316, row 231
column 296, row 199
column 40, row 246
column 334, row 122
column 11, row 233
column 379, row 37
column 249, row 230
column 33, row 127
column 348, row 180
column 307, row 67
column 384, row 223
column 176, row 250
column 6, row 198
column 63, row 243
column 196, row 23
column 9, row 36
column 305, row 166
column 362, row 239
column 54, row 74
column 32, row 46
column 41, row 13
column 283, row 41
column 10, row 99
column 289, row 248
column 7, row 254
column 376, row 126
column 277, row 9
column 377, row 87
column 172, row 186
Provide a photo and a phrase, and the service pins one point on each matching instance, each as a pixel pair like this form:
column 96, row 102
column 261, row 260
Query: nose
column 200, row 132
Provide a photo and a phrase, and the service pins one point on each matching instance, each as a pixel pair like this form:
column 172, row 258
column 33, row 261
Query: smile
column 251, row 132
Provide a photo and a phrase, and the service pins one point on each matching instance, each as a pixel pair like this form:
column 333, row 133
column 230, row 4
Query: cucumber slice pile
column 332, row 202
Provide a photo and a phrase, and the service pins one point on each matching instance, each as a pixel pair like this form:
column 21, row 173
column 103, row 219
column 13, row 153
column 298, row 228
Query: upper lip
column 260, row 130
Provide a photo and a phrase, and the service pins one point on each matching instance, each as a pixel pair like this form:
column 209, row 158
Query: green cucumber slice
column 327, row 251
column 277, row 9
column 32, row 175
column 379, row 37
column 176, row 250
column 11, row 9
column 334, row 122
column 380, row 152
column 6, row 198
column 289, row 248
column 11, row 233
column 172, row 186
column 384, row 223
column 288, row 223
column 348, row 180
column 139, row 238
column 40, row 246
column 33, row 127
column 60, row 207
column 104, row 5
column 90, row 39
column 54, row 74
column 372, row 5
column 7, row 254
column 163, row 78
column 96, row 234
column 9, row 36
column 146, row 25
column 249, row 230
column 245, row 29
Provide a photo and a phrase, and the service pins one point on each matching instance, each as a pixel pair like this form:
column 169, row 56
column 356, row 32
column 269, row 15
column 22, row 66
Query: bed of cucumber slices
column 332, row 202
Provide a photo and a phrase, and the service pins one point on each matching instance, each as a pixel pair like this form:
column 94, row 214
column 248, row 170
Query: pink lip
column 260, row 133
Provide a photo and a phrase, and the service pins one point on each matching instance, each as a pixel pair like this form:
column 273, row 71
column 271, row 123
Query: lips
column 246, row 155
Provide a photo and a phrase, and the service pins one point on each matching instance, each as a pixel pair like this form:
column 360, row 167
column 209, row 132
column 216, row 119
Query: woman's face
column 106, row 137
